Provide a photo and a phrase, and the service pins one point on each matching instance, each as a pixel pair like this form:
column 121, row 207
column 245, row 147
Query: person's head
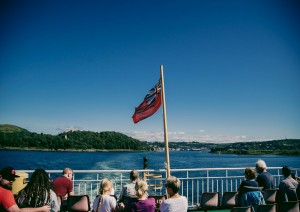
column 141, row 188
column 286, row 171
column 249, row 173
column 68, row 173
column 172, row 185
column 7, row 177
column 260, row 166
column 134, row 175
column 38, row 189
column 39, row 178
column 105, row 186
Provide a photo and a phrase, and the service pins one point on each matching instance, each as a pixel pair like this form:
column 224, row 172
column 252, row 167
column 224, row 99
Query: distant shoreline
column 288, row 153
column 266, row 152
column 69, row 150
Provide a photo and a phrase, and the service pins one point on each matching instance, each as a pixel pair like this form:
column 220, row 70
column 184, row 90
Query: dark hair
column 37, row 191
column 249, row 173
column 286, row 171
column 134, row 175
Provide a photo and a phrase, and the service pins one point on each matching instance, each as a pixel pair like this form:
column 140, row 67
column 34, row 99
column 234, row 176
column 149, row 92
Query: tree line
column 283, row 147
column 15, row 137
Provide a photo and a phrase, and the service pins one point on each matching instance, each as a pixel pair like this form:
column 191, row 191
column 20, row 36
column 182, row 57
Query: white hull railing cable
column 194, row 181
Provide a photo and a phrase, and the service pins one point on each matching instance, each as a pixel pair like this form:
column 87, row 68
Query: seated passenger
column 264, row 178
column 63, row 185
column 249, row 192
column 7, row 201
column 287, row 187
column 128, row 193
column 105, row 202
column 38, row 192
column 249, row 180
column 175, row 203
column 144, row 204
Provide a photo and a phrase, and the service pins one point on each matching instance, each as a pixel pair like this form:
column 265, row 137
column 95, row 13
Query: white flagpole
column 165, row 121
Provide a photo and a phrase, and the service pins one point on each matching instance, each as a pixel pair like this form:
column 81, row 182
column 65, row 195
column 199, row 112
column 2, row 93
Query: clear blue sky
column 232, row 68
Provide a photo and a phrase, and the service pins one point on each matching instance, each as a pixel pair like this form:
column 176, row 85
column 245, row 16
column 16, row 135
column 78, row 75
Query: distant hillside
column 185, row 145
column 7, row 128
column 13, row 137
column 286, row 146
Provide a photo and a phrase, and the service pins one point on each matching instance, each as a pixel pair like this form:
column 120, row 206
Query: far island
column 14, row 137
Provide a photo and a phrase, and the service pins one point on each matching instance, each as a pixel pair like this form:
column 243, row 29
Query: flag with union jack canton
column 150, row 105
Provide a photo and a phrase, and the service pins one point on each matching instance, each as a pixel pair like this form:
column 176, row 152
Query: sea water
column 50, row 160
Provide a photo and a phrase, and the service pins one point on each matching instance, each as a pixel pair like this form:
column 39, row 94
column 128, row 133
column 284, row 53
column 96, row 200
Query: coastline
column 68, row 150
column 262, row 152
column 283, row 153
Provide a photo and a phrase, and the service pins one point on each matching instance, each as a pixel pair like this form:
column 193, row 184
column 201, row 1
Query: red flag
column 150, row 105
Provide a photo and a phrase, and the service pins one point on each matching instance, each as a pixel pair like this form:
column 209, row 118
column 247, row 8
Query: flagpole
column 165, row 121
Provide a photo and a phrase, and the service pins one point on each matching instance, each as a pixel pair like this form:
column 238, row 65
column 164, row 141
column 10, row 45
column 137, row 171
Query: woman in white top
column 104, row 202
column 175, row 202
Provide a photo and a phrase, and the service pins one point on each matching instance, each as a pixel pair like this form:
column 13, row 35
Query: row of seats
column 230, row 200
column 292, row 206
column 75, row 203
column 209, row 201
column 82, row 203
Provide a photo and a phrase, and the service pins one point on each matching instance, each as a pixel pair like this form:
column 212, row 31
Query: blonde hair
column 141, row 188
column 67, row 170
column 105, row 185
column 260, row 166
column 173, row 183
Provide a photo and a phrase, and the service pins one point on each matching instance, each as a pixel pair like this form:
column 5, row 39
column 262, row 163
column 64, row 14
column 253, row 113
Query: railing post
column 187, row 183
column 73, row 181
column 121, row 180
column 91, row 191
column 222, row 187
column 207, row 177
column 226, row 180
column 198, row 197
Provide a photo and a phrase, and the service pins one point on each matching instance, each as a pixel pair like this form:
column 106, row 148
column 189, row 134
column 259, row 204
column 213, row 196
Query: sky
column 231, row 68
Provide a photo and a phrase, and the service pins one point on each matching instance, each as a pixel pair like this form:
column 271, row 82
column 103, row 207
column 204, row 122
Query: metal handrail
column 194, row 181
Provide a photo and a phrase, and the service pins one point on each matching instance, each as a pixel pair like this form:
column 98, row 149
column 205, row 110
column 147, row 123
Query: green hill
column 283, row 147
column 7, row 128
column 13, row 137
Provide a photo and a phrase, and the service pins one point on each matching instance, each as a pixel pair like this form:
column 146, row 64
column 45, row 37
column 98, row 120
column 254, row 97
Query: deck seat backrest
column 129, row 203
column 210, row 200
column 78, row 203
column 270, row 195
column 229, row 199
column 291, row 195
column 266, row 208
column 241, row 209
column 291, row 206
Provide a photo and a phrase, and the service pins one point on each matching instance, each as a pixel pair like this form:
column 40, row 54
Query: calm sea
column 24, row 160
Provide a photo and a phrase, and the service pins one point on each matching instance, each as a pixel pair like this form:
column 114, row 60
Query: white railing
column 193, row 181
